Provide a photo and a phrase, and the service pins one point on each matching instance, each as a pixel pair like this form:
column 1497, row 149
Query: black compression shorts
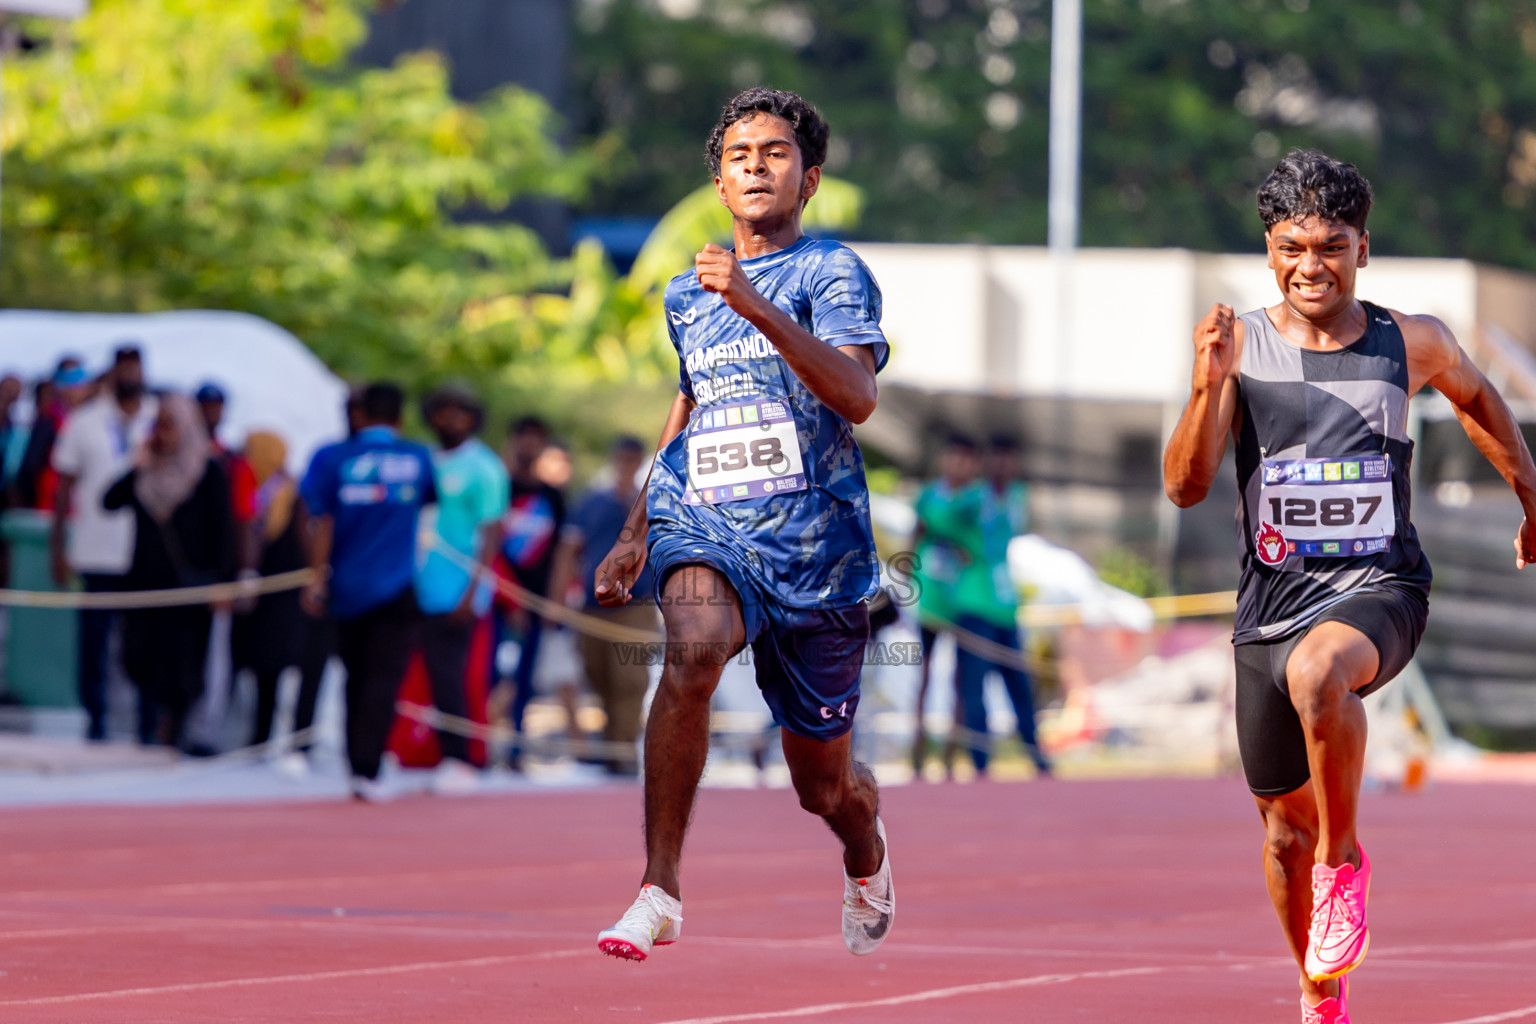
column 1269, row 733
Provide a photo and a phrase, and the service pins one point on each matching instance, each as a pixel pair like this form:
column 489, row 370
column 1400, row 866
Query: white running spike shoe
column 869, row 905
column 454, row 778
column 653, row 919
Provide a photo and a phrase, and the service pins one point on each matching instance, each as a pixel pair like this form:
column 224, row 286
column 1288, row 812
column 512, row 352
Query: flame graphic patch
column 1269, row 542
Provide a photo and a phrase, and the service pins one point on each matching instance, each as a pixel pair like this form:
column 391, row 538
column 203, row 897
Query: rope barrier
column 723, row 735
column 1173, row 606
column 500, row 735
column 1033, row 616
column 547, row 608
column 172, row 597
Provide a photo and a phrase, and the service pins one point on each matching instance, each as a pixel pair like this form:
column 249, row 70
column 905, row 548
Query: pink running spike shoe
column 1329, row 1011
column 1338, row 939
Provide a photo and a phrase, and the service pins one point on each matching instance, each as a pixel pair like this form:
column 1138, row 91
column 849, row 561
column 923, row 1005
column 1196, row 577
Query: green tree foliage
column 180, row 153
column 1122, row 567
column 940, row 106
column 904, row 92
column 249, row 167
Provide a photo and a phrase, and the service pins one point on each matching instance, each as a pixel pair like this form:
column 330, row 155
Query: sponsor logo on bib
column 1269, row 542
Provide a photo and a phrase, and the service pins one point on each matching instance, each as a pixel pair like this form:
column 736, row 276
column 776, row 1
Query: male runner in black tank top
column 1334, row 592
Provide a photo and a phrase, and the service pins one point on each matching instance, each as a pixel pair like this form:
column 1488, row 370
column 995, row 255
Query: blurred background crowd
column 408, row 543
column 139, row 492
column 214, row 261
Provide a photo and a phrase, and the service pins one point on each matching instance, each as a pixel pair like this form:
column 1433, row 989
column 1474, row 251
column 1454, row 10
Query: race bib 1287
column 743, row 450
column 1325, row 508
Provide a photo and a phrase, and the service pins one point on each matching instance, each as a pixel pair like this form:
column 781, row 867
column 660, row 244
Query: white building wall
column 935, row 313
column 989, row 318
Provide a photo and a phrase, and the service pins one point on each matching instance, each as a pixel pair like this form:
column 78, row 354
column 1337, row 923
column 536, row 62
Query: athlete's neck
column 1334, row 330
column 759, row 238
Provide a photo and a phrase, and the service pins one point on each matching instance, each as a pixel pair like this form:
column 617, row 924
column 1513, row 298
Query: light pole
column 1066, row 123
column 1062, row 201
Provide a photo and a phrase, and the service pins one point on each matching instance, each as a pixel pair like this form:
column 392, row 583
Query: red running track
column 1065, row 901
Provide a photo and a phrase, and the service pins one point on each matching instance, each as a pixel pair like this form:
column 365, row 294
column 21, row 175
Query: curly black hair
column 1309, row 183
column 810, row 130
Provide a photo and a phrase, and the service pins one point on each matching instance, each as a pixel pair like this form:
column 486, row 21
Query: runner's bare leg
column 1290, row 844
column 1323, row 673
column 842, row 792
column 704, row 629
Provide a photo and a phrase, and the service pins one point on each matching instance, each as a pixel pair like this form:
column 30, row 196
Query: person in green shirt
column 941, row 558
column 985, row 601
column 464, row 528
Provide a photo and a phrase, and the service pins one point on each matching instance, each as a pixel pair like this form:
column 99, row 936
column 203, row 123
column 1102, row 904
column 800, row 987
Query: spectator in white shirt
column 95, row 447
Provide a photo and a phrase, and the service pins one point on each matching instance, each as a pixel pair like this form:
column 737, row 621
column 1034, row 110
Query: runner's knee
column 1317, row 680
column 1287, row 839
column 687, row 680
column 821, row 795
column 700, row 638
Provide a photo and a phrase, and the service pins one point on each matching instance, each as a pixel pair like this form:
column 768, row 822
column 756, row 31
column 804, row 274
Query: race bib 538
column 1325, row 508
column 743, row 450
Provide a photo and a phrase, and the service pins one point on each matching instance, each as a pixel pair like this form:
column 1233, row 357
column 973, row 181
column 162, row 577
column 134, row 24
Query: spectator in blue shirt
column 364, row 495
column 617, row 676
column 465, row 527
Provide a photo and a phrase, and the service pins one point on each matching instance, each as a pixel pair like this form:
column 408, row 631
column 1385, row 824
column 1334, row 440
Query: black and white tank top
column 1322, row 473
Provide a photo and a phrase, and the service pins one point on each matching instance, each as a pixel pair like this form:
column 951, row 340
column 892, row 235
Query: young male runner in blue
column 756, row 516
column 1334, row 592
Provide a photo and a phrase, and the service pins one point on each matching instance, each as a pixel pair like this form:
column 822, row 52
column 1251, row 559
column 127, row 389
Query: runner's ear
column 809, row 184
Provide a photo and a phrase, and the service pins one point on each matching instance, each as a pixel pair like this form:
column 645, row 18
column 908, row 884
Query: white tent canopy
column 1059, row 576
column 46, row 8
column 273, row 381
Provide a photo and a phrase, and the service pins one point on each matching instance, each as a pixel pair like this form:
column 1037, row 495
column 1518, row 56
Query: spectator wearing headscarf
column 184, row 536
column 273, row 635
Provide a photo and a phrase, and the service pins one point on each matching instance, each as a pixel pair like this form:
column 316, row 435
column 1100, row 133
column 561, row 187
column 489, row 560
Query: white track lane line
column 1494, row 1018
column 280, row 979
column 920, row 997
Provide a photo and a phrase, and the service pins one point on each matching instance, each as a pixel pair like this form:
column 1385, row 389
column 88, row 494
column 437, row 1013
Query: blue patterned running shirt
column 796, row 522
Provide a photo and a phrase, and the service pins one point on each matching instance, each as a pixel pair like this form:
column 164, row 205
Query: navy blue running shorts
column 808, row 661
column 1270, row 738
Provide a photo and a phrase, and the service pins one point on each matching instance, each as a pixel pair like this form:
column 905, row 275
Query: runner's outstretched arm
column 843, row 377
column 1484, row 415
column 621, row 567
column 1194, row 452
